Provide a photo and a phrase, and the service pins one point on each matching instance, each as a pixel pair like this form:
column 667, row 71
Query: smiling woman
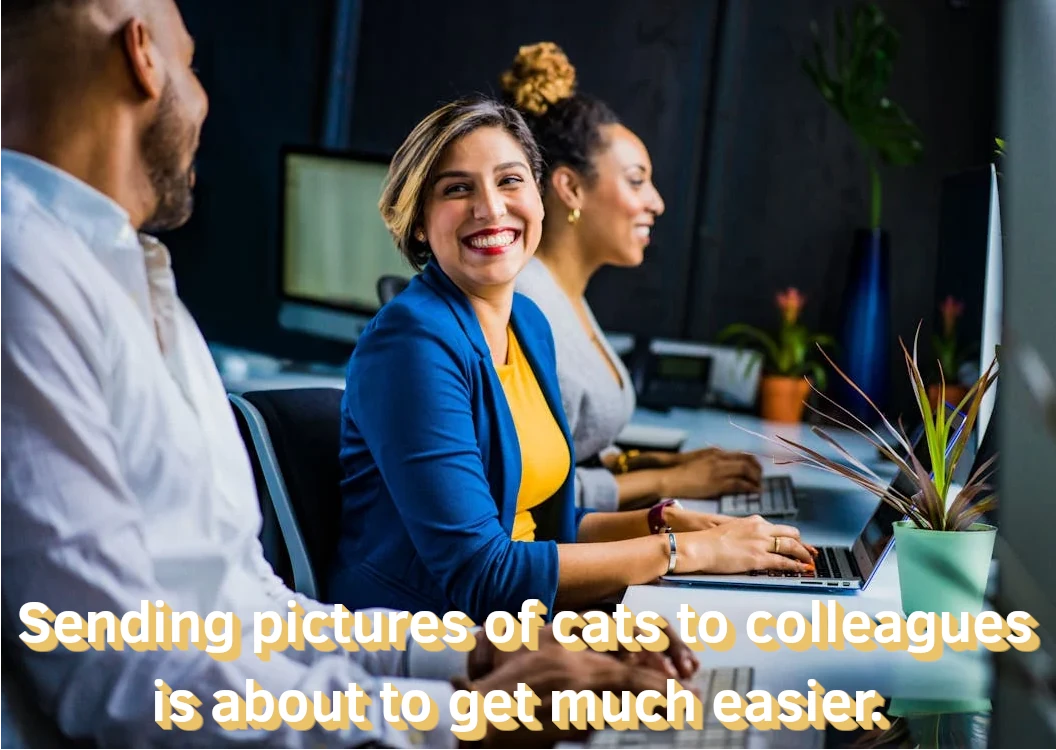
column 601, row 205
column 457, row 458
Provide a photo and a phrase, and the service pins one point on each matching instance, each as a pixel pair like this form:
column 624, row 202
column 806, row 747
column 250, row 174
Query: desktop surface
column 947, row 697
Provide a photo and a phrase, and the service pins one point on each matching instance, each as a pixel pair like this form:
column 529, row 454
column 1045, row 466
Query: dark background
column 764, row 185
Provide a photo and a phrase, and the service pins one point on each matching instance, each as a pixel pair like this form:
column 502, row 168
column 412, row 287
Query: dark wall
column 764, row 186
column 789, row 185
column 264, row 65
column 650, row 61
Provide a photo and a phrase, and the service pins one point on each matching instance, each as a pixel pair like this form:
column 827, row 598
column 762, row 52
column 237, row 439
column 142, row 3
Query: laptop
column 776, row 499
column 712, row 734
column 845, row 568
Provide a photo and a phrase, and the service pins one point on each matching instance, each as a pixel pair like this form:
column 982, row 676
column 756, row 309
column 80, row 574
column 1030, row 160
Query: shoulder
column 535, row 282
column 531, row 315
column 415, row 328
column 48, row 274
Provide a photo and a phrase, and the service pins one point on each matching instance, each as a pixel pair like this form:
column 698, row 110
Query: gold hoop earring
column 573, row 216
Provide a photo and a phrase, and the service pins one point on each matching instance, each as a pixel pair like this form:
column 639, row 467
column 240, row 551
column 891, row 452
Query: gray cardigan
column 596, row 406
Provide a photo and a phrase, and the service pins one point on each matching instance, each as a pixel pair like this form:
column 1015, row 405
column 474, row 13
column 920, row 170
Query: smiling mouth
column 491, row 242
column 643, row 231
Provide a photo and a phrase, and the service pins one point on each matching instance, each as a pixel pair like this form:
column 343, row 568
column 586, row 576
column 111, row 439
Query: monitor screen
column 335, row 245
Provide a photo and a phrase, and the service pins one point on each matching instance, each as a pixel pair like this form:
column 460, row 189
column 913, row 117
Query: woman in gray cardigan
column 600, row 208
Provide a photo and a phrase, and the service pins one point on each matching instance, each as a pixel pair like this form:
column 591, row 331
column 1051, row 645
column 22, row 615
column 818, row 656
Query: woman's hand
column 711, row 473
column 680, row 519
column 741, row 545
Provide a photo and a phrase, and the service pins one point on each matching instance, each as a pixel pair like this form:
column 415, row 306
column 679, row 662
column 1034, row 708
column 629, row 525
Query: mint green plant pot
column 943, row 571
column 915, row 707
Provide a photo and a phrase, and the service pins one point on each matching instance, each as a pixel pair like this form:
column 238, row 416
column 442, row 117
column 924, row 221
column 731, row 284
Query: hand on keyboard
column 677, row 661
column 552, row 668
column 742, row 545
column 681, row 519
column 712, row 473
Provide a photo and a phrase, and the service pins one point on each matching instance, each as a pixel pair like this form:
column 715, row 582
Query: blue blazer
column 432, row 465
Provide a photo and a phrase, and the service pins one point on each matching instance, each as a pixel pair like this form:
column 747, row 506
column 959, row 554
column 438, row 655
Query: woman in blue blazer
column 439, row 446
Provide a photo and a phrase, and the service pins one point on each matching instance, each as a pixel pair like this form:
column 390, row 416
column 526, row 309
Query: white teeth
column 493, row 240
column 642, row 232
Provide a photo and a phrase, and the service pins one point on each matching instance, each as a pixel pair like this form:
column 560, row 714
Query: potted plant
column 944, row 552
column 783, row 390
column 949, row 353
column 854, row 86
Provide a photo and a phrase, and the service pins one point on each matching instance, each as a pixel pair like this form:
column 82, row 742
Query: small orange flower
column 951, row 309
column 790, row 302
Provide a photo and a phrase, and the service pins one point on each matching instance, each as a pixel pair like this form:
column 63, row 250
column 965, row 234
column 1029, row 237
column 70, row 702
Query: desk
column 832, row 511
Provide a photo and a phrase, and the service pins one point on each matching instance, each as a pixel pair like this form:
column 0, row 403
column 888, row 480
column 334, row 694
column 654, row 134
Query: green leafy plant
column 788, row 353
column 927, row 507
column 863, row 59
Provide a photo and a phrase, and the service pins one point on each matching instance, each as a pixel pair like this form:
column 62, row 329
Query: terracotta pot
column 783, row 398
column 954, row 394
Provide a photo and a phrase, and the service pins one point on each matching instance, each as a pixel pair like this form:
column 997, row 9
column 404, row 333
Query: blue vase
column 865, row 342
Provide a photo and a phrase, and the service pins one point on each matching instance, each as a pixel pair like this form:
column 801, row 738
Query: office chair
column 390, row 286
column 294, row 435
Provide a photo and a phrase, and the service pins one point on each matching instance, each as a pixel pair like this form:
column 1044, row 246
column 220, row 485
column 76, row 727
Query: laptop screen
column 872, row 543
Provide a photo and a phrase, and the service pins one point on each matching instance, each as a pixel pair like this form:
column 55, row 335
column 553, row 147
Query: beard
column 165, row 145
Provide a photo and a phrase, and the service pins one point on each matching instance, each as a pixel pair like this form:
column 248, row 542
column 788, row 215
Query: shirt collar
column 97, row 218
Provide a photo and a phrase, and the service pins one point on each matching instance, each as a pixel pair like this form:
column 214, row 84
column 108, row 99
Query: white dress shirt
column 125, row 479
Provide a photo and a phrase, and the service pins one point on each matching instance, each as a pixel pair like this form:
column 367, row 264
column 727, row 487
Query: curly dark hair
column 566, row 124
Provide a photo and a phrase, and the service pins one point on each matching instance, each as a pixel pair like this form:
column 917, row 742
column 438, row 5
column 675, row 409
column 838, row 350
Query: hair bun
column 541, row 77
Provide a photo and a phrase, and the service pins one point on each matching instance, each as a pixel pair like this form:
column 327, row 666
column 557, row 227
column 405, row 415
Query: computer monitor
column 993, row 300
column 970, row 267
column 335, row 246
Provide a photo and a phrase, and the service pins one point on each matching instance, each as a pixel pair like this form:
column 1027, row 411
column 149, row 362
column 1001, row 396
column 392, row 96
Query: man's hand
column 678, row 661
column 553, row 667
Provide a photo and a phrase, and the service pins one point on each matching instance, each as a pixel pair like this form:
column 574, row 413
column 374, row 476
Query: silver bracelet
column 674, row 553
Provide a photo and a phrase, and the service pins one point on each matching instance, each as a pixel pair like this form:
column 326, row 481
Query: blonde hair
column 406, row 186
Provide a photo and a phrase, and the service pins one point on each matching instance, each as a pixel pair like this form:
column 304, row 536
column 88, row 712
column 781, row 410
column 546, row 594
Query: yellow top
column 545, row 460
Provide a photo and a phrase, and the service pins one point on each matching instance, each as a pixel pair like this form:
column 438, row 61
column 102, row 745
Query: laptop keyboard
column 831, row 562
column 712, row 733
column 777, row 497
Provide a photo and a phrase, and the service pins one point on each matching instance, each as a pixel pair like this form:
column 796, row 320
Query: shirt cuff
column 440, row 736
column 597, row 489
column 437, row 665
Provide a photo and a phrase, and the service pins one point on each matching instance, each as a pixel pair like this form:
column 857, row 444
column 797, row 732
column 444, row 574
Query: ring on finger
column 777, row 545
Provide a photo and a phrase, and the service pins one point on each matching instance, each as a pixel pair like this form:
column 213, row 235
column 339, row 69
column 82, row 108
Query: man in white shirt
column 124, row 476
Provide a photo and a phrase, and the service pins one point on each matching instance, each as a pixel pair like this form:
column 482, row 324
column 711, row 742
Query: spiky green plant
column 927, row 507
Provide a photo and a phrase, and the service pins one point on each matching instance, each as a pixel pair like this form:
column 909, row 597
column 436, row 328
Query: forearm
column 613, row 527
column 640, row 488
column 592, row 572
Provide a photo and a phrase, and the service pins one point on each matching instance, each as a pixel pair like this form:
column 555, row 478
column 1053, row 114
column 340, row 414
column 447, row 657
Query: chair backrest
column 390, row 286
column 271, row 536
column 296, row 437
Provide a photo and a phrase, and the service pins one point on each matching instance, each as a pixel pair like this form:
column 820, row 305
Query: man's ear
column 567, row 185
column 144, row 59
